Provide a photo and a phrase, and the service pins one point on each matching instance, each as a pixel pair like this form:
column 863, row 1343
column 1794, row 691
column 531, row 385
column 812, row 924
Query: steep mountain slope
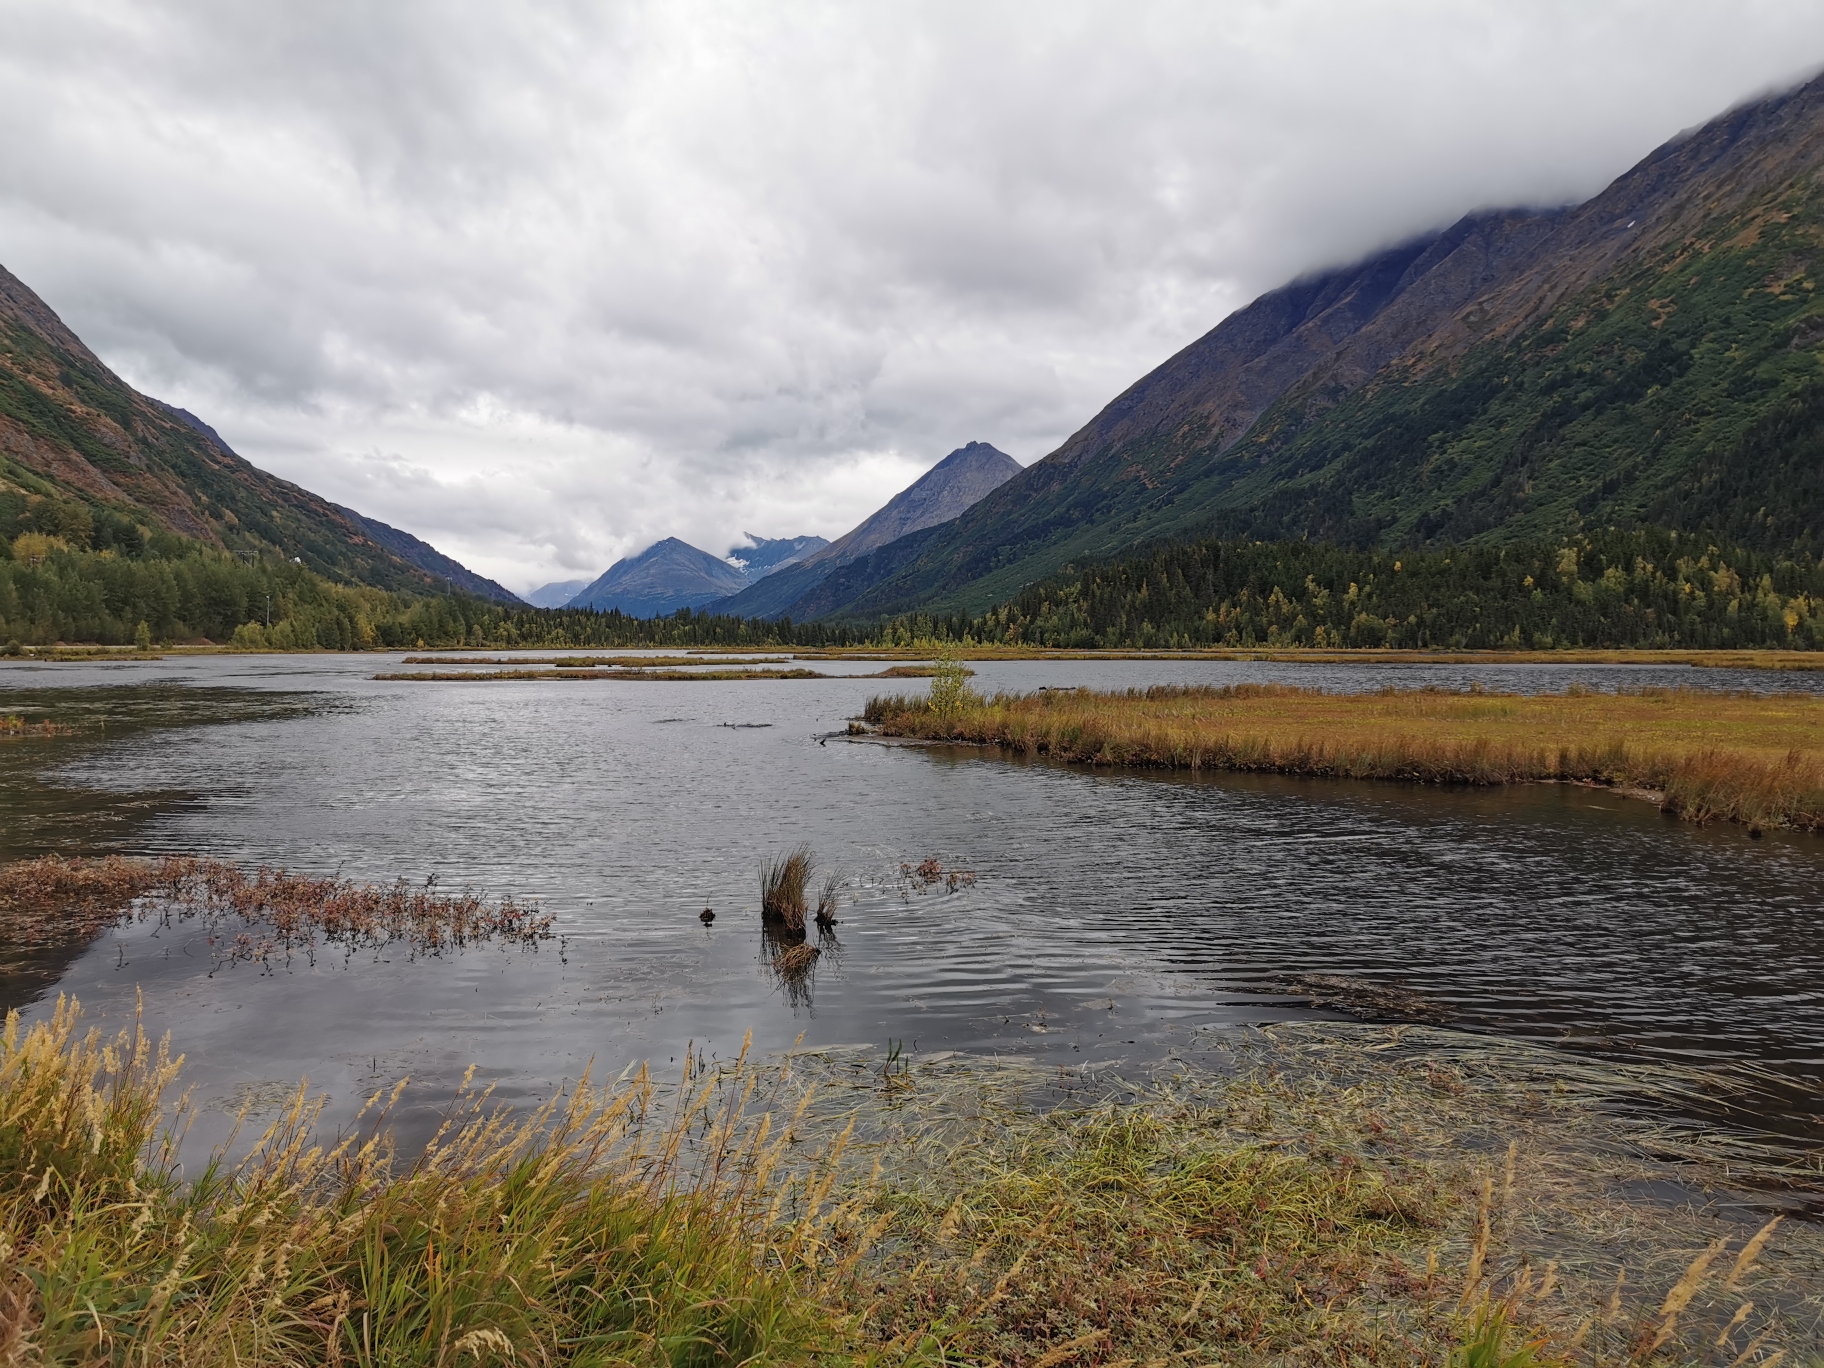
column 427, row 557
column 663, row 578
column 83, row 453
column 952, row 486
column 1651, row 354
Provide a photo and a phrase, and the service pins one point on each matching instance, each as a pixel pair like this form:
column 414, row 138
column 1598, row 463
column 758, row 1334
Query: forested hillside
column 1653, row 357
column 1649, row 589
column 92, row 463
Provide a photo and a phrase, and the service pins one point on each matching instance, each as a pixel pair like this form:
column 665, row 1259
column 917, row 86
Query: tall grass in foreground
column 1347, row 1217
column 1751, row 758
column 581, row 1233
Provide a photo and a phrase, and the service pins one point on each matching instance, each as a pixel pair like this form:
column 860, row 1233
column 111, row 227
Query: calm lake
column 1113, row 915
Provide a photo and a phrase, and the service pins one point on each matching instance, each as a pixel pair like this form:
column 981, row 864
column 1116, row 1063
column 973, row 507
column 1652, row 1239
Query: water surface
column 1112, row 916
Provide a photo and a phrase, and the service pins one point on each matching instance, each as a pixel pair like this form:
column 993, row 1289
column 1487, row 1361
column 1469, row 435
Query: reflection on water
column 1112, row 915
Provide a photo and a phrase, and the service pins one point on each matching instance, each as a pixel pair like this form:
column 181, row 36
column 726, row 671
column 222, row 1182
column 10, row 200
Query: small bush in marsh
column 950, row 691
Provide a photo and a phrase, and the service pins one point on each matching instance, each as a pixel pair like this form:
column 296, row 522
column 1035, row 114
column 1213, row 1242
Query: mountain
column 85, row 457
column 1651, row 356
column 427, row 557
column 765, row 555
column 555, row 594
column 663, row 578
column 943, row 492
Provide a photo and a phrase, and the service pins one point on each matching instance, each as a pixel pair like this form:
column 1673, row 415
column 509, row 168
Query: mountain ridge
column 1249, row 430
column 81, row 445
column 428, row 558
column 666, row 576
column 947, row 490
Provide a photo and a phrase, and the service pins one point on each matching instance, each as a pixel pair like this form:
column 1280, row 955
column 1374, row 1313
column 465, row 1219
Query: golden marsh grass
column 1746, row 757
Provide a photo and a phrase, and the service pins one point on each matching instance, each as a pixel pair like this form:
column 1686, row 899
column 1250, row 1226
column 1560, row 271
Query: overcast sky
column 544, row 282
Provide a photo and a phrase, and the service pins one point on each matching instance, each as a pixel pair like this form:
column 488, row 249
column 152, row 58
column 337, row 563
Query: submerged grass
column 13, row 727
column 259, row 917
column 1316, row 1197
column 1744, row 757
column 1321, row 1194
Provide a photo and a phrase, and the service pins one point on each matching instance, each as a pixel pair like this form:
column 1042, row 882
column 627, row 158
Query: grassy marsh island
column 631, row 673
column 1367, row 1196
column 591, row 662
column 637, row 669
column 1703, row 755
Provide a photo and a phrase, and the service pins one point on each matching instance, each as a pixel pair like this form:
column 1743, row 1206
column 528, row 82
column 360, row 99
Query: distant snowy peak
column 763, row 555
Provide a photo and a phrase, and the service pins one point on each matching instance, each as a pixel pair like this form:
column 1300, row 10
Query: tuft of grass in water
column 829, row 897
column 1757, row 759
column 782, row 887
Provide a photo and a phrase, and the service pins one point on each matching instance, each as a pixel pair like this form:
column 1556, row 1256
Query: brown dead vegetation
column 260, row 917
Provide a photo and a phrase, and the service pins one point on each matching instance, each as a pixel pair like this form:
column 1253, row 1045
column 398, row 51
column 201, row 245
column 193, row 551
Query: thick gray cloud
column 544, row 282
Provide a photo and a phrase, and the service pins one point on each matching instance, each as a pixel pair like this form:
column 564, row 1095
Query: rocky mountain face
column 428, row 558
column 762, row 556
column 952, row 486
column 82, row 452
column 663, row 578
column 1651, row 355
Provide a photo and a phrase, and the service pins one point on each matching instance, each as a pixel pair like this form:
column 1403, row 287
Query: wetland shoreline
column 1702, row 755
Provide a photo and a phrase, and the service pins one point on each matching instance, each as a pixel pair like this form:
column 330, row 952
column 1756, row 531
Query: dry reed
column 1751, row 758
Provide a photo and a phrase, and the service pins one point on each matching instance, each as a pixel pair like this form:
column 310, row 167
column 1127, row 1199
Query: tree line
column 1646, row 588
